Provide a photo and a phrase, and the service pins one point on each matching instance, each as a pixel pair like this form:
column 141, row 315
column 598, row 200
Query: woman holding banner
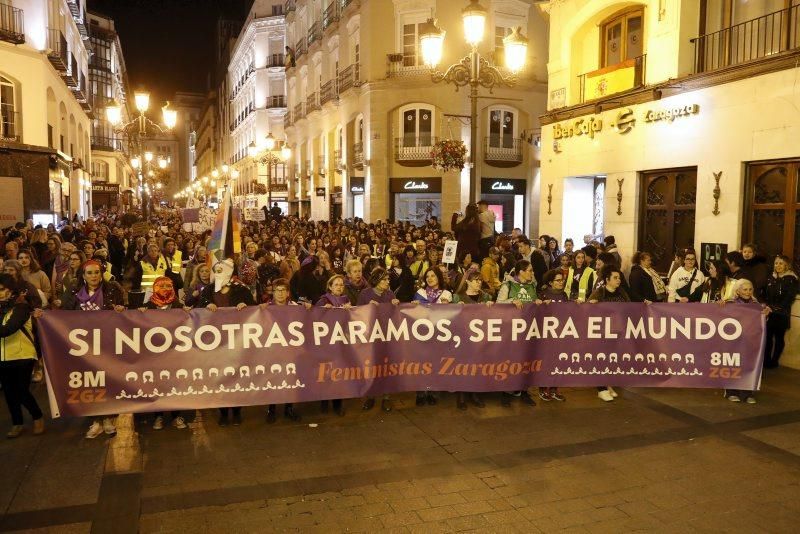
column 93, row 293
column 433, row 292
column 17, row 356
column 610, row 291
column 335, row 298
column 226, row 292
column 470, row 292
column 164, row 297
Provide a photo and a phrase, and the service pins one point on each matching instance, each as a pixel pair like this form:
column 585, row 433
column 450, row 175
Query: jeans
column 15, row 376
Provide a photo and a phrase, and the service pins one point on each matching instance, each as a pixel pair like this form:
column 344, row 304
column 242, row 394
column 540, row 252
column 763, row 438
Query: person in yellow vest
column 17, row 357
column 144, row 274
column 580, row 278
column 174, row 257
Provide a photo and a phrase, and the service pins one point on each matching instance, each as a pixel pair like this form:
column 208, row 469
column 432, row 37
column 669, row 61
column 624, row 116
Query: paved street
column 655, row 460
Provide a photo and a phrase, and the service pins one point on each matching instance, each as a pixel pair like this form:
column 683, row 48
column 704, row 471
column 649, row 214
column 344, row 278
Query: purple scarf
column 336, row 302
column 433, row 294
column 90, row 303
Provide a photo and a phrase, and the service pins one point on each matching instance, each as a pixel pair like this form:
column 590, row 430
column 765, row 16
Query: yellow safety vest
column 176, row 262
column 150, row 273
column 19, row 345
column 583, row 283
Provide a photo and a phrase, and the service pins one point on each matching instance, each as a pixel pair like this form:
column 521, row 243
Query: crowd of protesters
column 115, row 261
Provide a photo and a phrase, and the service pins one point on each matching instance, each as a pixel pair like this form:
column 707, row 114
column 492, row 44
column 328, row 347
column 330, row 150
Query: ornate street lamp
column 267, row 155
column 138, row 130
column 473, row 69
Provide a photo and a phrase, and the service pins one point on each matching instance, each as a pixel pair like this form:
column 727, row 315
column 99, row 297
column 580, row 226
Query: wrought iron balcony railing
column 314, row 33
column 414, row 150
column 349, row 78
column 276, row 60
column 57, row 51
column 358, row 155
column 328, row 92
column 747, row 41
column 12, row 24
column 595, row 84
column 502, row 151
column 276, row 101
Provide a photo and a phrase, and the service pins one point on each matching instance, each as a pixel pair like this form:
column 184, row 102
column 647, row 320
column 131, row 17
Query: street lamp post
column 269, row 156
column 137, row 131
column 473, row 70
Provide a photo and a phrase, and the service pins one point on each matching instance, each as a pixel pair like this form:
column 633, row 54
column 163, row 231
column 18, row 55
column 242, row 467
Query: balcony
column 12, row 25
column 312, row 104
column 413, row 151
column 612, row 79
column 502, row 151
column 748, row 41
column 300, row 48
column 72, row 77
column 100, row 63
column 328, row 92
column 10, row 125
column 338, row 164
column 314, row 34
column 298, row 112
column 358, row 155
column 287, row 119
column 349, row 78
column 330, row 15
column 344, row 4
column 321, row 164
column 57, row 49
column 289, row 6
column 106, row 143
column 276, row 61
column 400, row 66
column 276, row 102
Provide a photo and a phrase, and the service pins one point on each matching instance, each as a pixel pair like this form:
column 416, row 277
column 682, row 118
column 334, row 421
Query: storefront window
column 416, row 208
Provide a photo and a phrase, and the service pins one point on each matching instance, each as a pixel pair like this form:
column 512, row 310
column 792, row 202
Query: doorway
column 667, row 217
column 584, row 207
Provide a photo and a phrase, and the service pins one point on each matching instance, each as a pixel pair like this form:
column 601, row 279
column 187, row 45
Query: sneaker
column 545, row 396
column 158, row 424
column 108, row 426
column 527, row 399
column 95, row 430
column 369, row 403
column 613, row 393
column 179, row 422
column 558, row 397
column 750, row 400
column 37, row 376
column 605, row 395
column 386, row 405
column 15, row 431
column 734, row 398
column 38, row 426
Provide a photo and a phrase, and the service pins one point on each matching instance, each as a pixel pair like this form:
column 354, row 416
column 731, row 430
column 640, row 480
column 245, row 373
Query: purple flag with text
column 171, row 359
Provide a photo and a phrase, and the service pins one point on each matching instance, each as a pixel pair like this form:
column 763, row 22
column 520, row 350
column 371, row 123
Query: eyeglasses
column 558, row 280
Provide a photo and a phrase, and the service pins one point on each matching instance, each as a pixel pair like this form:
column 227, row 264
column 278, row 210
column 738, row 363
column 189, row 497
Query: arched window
column 416, row 125
column 9, row 117
column 621, row 37
column 503, row 127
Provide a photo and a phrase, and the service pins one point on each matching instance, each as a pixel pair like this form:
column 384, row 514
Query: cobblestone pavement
column 654, row 460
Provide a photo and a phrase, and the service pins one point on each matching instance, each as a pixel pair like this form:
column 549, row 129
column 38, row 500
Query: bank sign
column 624, row 122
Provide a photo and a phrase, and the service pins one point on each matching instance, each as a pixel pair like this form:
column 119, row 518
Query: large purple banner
column 106, row 362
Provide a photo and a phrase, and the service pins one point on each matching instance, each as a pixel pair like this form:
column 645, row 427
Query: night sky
column 169, row 44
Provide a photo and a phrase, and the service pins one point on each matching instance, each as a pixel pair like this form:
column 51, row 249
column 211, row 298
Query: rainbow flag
column 226, row 238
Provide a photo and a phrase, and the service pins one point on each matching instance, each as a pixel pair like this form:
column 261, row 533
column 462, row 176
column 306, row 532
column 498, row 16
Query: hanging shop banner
column 173, row 360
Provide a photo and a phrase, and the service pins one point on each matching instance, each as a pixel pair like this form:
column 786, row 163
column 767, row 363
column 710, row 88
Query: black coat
column 238, row 293
column 779, row 294
column 757, row 272
column 641, row 285
column 113, row 295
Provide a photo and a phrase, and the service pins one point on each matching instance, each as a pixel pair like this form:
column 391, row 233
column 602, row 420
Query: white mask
column 222, row 278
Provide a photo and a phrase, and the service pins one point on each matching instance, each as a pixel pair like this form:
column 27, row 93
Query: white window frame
column 419, row 106
column 515, row 129
column 6, row 82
